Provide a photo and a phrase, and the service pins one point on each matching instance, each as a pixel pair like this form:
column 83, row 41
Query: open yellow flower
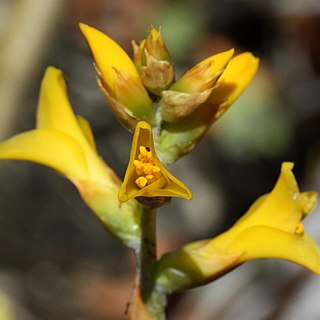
column 271, row 228
column 145, row 175
column 119, row 79
column 234, row 75
column 65, row 143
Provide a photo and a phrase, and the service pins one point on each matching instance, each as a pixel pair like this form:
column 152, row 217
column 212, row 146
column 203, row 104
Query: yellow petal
column 237, row 75
column 107, row 54
column 204, row 74
column 54, row 109
column 55, row 113
column 87, row 131
column 51, row 148
column 265, row 242
column 166, row 186
column 283, row 208
column 219, row 61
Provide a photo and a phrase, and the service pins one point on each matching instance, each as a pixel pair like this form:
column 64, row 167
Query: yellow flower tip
column 145, row 175
column 107, row 54
column 238, row 73
column 204, row 74
column 218, row 61
column 287, row 166
column 155, row 45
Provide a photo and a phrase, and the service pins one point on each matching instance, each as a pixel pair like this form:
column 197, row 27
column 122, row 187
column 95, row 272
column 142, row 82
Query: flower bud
column 179, row 134
column 153, row 61
column 119, row 79
column 193, row 88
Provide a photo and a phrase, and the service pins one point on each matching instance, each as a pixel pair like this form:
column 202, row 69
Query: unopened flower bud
column 193, row 88
column 153, row 61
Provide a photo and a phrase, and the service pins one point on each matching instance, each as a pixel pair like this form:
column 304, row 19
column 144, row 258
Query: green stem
column 147, row 259
column 147, row 254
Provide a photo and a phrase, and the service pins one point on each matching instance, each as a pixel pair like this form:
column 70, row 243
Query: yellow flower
column 271, row 228
column 145, row 175
column 193, row 88
column 119, row 79
column 178, row 138
column 65, row 143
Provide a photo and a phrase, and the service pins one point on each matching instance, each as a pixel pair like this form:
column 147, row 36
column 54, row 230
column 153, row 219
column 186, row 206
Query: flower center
column 145, row 168
column 299, row 229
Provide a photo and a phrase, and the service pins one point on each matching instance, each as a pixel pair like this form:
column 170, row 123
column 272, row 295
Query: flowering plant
column 167, row 117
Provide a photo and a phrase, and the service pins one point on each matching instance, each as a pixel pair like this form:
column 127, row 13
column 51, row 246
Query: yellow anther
column 155, row 169
column 145, row 168
column 299, row 229
column 138, row 166
column 145, row 153
column 141, row 182
column 150, row 177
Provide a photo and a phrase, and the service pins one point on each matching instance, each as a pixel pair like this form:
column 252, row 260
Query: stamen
column 155, row 169
column 145, row 168
column 299, row 229
column 141, row 182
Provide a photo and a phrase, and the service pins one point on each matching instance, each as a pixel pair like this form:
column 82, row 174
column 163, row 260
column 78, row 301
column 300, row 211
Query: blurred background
column 56, row 261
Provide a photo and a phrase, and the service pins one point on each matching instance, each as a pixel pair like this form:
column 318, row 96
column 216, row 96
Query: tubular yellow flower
column 65, row 143
column 145, row 175
column 271, row 228
column 177, row 139
column 119, row 79
column 193, row 88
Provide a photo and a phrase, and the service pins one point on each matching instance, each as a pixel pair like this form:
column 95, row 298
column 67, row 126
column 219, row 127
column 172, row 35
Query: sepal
column 122, row 220
column 192, row 266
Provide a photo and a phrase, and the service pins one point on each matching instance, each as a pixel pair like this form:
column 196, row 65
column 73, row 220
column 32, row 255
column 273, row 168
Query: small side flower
column 193, row 88
column 185, row 126
column 65, row 143
column 146, row 177
column 271, row 228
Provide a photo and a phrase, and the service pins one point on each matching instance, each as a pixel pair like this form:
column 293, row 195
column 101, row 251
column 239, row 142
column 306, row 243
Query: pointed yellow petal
column 107, row 54
column 87, row 131
column 50, row 148
column 283, row 208
column 55, row 113
column 237, row 75
column 219, row 61
column 204, row 74
column 54, row 109
column 166, row 185
column 264, row 242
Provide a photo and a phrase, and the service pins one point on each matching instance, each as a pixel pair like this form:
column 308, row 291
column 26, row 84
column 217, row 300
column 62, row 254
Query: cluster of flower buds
column 144, row 89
